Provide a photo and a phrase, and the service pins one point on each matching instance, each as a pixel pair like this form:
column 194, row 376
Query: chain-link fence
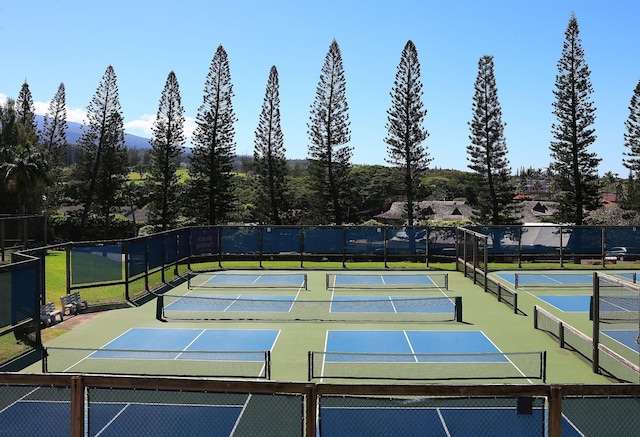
column 75, row 405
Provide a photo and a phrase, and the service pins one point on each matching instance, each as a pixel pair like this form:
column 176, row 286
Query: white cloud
column 141, row 126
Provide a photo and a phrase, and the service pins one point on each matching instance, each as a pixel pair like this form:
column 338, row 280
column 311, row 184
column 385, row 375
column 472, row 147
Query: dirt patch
column 70, row 322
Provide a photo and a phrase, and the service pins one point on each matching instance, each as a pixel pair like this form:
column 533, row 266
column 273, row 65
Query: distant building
column 533, row 211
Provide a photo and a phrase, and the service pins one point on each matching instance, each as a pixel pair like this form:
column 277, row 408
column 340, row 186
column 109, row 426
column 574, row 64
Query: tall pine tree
column 487, row 153
column 574, row 169
column 166, row 148
column 26, row 114
column 405, row 130
column 329, row 133
column 631, row 158
column 269, row 159
column 102, row 168
column 214, row 146
column 53, row 138
column 54, row 126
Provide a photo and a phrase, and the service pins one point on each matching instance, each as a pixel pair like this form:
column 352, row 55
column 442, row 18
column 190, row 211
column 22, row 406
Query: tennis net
column 607, row 360
column 552, row 280
column 386, row 281
column 247, row 280
column 445, row 367
column 618, row 299
column 377, row 309
column 231, row 364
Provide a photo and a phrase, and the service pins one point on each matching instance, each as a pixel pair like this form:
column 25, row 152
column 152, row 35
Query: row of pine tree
column 36, row 179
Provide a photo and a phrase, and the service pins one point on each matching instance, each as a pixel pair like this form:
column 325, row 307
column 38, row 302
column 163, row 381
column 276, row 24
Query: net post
column 561, row 335
column 267, row 364
column 326, row 281
column 596, row 323
column 305, row 282
column 159, row 307
column 543, row 366
column 515, row 302
column 591, row 307
column 516, row 278
column 45, row 354
column 446, row 281
column 535, row 317
column 310, row 366
column 458, row 305
column 499, row 292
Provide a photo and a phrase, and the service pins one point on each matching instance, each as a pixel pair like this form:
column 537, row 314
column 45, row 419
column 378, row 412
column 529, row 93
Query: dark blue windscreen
column 502, row 239
column 364, row 240
column 94, row 264
column 628, row 237
column 204, row 241
column 281, row 240
column 541, row 239
column 406, row 240
column 240, row 239
column 582, row 241
column 24, row 293
column 170, row 243
column 323, row 240
column 155, row 251
column 442, row 241
column 137, row 257
column 184, row 244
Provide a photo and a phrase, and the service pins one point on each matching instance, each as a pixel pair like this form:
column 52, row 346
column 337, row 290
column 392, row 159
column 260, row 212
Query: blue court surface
column 391, row 304
column 626, row 337
column 231, row 303
column 388, row 280
column 569, row 304
column 555, row 279
column 177, row 340
column 120, row 419
column 430, row 421
column 411, row 342
column 292, row 280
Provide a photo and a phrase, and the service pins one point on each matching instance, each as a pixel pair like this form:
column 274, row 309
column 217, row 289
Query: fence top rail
column 474, row 233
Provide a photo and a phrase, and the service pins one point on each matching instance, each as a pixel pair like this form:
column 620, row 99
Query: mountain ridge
column 74, row 132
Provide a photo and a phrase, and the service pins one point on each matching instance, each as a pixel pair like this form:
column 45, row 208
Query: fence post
column 555, row 411
column 311, row 393
column 77, row 406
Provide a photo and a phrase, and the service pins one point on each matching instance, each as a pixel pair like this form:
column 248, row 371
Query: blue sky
column 46, row 42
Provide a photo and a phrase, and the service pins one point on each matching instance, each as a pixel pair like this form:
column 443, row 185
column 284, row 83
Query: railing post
column 310, row 410
column 555, row 411
column 77, row 406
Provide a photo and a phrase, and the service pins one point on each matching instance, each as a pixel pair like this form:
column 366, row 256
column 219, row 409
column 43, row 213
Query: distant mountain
column 74, row 131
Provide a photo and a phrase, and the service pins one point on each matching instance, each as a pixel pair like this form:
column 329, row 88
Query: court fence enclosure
column 77, row 405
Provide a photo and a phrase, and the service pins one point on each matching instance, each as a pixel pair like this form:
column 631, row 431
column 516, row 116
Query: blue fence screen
column 93, row 264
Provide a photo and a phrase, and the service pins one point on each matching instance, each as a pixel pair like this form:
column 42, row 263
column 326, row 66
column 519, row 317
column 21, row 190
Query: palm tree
column 24, row 173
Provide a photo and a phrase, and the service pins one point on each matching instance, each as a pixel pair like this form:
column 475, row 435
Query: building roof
column 533, row 211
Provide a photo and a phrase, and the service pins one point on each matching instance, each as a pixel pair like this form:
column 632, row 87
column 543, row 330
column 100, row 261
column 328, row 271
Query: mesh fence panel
column 350, row 415
column 120, row 412
column 601, row 416
column 34, row 410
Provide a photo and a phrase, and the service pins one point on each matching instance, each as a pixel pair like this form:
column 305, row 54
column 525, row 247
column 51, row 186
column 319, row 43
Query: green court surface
column 507, row 331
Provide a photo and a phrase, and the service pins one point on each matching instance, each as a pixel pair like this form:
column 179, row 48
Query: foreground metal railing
column 305, row 408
